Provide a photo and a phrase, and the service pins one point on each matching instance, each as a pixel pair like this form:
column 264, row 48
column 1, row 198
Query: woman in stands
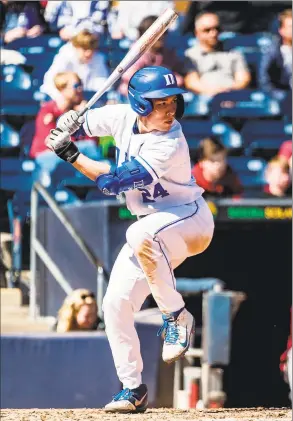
column 79, row 312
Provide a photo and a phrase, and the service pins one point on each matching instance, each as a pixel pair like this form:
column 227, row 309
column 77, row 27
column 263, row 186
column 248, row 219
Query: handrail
column 38, row 249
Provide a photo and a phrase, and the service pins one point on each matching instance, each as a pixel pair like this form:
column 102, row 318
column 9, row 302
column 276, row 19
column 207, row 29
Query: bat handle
column 82, row 112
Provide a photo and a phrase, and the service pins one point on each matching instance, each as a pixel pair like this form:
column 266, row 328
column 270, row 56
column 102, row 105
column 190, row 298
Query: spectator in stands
column 81, row 56
column 69, row 86
column 71, row 17
column 21, row 19
column 214, row 70
column 244, row 17
column 79, row 312
column 158, row 55
column 212, row 172
column 275, row 71
column 278, row 178
column 130, row 14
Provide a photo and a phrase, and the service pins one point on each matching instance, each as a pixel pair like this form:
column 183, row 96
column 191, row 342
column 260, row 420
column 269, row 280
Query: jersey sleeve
column 158, row 155
column 104, row 121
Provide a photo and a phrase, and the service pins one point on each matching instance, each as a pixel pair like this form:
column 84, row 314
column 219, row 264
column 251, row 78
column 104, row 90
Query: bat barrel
column 143, row 44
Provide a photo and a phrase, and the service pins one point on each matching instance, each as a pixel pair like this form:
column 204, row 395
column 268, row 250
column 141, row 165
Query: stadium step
column 15, row 317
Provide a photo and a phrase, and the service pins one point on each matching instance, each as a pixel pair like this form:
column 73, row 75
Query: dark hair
column 145, row 24
column 208, row 147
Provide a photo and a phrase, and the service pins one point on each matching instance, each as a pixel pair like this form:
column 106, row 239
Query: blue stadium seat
column 45, row 42
column 260, row 41
column 195, row 105
column 20, row 102
column 66, row 176
column 250, row 171
column 40, row 63
column 9, row 139
column 17, row 174
column 245, row 104
column 15, row 77
column 264, row 138
column 196, row 130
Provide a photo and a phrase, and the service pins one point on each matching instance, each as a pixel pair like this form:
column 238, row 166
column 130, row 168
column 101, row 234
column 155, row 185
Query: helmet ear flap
column 180, row 107
column 140, row 105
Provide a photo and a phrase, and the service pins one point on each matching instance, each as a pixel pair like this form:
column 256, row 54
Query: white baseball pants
column 155, row 246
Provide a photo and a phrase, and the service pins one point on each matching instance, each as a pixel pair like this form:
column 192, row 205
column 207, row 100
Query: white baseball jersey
column 165, row 155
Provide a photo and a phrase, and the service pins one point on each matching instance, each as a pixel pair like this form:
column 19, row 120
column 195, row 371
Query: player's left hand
column 108, row 184
column 60, row 143
column 70, row 121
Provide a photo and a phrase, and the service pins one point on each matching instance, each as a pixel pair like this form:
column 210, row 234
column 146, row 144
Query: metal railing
column 38, row 250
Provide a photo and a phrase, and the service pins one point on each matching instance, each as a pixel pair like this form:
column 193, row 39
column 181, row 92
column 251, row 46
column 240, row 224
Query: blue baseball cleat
column 177, row 331
column 129, row 400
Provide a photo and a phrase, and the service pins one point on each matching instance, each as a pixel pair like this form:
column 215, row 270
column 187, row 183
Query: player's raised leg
column 158, row 241
column 125, row 295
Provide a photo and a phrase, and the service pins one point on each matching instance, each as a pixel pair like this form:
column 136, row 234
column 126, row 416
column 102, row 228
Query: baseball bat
column 143, row 44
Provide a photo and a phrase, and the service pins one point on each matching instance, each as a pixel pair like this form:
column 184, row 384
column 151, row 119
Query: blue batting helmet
column 153, row 83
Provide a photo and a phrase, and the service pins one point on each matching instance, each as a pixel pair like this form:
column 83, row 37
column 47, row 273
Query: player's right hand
column 60, row 143
column 70, row 122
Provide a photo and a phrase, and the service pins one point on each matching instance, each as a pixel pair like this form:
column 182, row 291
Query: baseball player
column 174, row 222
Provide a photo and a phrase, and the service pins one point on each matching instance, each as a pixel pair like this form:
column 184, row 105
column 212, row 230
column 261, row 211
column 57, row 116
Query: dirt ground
column 162, row 414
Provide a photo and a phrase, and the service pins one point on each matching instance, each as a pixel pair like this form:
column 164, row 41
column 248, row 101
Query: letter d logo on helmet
column 153, row 83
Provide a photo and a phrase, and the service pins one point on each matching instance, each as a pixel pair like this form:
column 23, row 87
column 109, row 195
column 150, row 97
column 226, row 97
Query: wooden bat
column 143, row 44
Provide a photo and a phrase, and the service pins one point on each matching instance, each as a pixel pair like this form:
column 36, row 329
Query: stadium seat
column 250, row 172
column 195, row 106
column 10, row 140
column 20, row 102
column 260, row 41
column 17, row 174
column 245, row 104
column 40, row 62
column 66, row 176
column 15, row 77
column 264, row 138
column 43, row 42
column 196, row 130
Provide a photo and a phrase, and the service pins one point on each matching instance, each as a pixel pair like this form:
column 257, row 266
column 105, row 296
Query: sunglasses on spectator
column 76, row 85
column 212, row 28
column 91, row 295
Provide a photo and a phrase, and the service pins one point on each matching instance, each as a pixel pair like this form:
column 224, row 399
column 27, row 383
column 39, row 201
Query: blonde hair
column 85, row 40
column 277, row 161
column 287, row 13
column 71, row 306
column 61, row 79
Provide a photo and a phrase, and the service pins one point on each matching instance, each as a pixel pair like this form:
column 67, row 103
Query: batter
column 153, row 170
